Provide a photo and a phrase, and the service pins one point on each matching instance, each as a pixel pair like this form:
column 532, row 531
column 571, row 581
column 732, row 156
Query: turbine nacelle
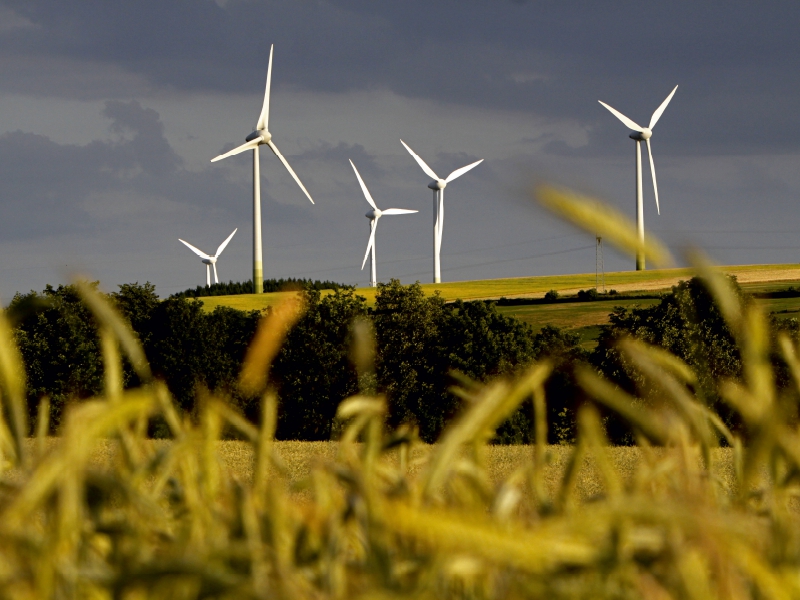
column 374, row 214
column 210, row 261
column 641, row 136
column 437, row 184
column 262, row 135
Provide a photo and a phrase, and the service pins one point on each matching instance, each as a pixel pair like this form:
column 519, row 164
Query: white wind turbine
column 208, row 260
column 373, row 217
column 261, row 136
column 642, row 134
column 437, row 185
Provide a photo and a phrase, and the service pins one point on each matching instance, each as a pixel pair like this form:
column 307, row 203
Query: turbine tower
column 208, row 260
column 259, row 137
column 642, row 134
column 373, row 217
column 437, row 185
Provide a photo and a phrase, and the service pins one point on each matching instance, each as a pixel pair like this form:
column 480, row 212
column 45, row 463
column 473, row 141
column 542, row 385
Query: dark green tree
column 688, row 323
column 60, row 348
column 421, row 340
column 410, row 367
column 312, row 372
column 562, row 394
column 188, row 347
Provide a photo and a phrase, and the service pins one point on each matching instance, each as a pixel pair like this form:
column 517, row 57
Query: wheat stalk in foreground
column 170, row 521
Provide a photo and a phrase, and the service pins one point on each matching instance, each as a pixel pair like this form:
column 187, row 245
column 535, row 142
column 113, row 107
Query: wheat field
column 102, row 512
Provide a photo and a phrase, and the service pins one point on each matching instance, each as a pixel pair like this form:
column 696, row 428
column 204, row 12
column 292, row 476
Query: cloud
column 48, row 187
column 552, row 59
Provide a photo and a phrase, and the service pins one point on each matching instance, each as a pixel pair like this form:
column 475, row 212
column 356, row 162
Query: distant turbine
column 642, row 134
column 210, row 261
column 261, row 136
column 438, row 185
column 373, row 217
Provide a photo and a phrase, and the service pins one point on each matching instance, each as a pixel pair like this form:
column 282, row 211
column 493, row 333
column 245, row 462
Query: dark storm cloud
column 340, row 152
column 49, row 188
column 734, row 60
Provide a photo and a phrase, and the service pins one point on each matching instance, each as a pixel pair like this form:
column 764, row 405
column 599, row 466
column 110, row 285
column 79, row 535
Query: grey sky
column 110, row 112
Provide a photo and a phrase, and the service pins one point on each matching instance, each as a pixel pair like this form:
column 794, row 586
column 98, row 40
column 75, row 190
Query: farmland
column 103, row 511
column 585, row 317
column 501, row 461
column 536, row 287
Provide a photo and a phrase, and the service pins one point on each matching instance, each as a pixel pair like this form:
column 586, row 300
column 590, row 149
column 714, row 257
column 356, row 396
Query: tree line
column 232, row 288
column 421, row 344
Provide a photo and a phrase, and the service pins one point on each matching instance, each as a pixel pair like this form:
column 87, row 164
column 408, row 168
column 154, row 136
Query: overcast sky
column 111, row 111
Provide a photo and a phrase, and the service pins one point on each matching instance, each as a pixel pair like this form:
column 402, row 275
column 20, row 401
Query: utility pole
column 599, row 269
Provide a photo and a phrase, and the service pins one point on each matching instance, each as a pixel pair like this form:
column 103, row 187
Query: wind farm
column 565, row 398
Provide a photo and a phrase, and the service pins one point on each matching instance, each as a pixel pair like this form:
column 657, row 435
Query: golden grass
column 102, row 512
column 302, row 458
column 245, row 302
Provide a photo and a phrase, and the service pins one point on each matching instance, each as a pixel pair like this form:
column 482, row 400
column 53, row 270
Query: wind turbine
column 437, row 185
column 642, row 134
column 259, row 137
column 373, row 217
column 208, row 260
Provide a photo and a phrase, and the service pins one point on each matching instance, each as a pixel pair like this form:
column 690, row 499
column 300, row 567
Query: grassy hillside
column 755, row 275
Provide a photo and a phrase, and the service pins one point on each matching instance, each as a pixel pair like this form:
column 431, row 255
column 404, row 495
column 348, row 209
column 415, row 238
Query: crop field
column 586, row 317
column 536, row 287
column 102, row 511
column 301, row 459
column 572, row 315
column 244, row 301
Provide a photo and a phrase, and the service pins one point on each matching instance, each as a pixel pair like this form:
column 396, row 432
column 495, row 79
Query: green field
column 572, row 315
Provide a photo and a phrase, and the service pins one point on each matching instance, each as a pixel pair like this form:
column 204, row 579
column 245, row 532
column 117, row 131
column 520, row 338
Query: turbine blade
column 364, row 189
column 428, row 171
column 225, row 243
column 398, row 211
column 263, row 118
column 660, row 110
column 374, row 224
column 653, row 173
column 199, row 253
column 630, row 124
column 216, row 279
column 238, row 150
column 459, row 172
column 288, row 168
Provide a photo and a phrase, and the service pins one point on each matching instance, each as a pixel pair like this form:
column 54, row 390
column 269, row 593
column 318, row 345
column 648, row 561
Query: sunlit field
column 699, row 507
column 536, row 287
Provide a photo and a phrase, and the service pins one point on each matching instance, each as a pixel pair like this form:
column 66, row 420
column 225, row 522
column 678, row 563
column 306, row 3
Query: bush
column 552, row 296
column 589, row 295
